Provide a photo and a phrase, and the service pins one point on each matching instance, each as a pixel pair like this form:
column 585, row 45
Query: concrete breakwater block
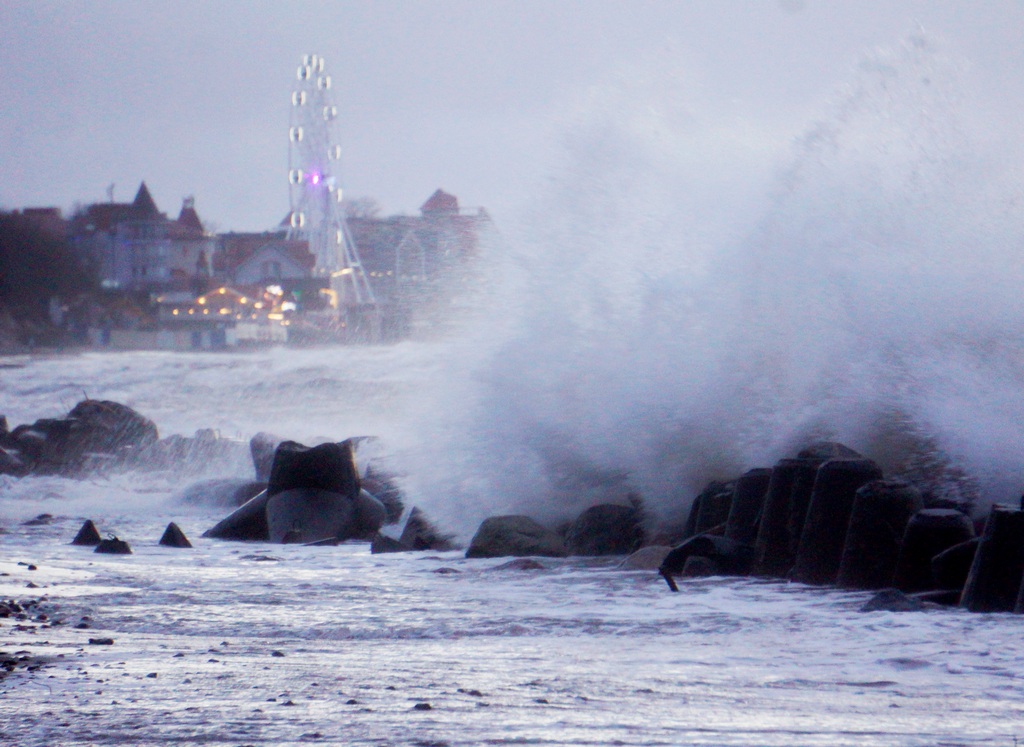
column 747, row 502
column 246, row 523
column 330, row 467
column 313, row 494
column 719, row 556
column 710, row 509
column 929, row 532
column 951, row 567
column 304, row 515
column 993, row 584
column 174, row 537
column 88, row 535
column 828, row 516
column 774, row 548
column 262, row 448
column 878, row 520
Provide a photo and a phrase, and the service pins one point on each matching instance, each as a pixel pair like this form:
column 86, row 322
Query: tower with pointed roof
column 137, row 247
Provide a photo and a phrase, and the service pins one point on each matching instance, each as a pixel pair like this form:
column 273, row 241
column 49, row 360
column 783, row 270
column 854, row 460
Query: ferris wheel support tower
column 315, row 193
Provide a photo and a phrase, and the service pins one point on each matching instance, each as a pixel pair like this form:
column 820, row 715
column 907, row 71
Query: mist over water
column 691, row 297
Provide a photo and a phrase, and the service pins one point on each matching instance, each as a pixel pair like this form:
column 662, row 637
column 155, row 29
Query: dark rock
column 420, row 533
column 878, row 521
column 222, row 492
column 381, row 543
column 828, row 517
column 41, row 520
column 892, row 600
column 521, row 564
column 422, row 707
column 246, row 523
column 114, row 426
column 174, row 537
column 101, row 641
column 747, row 503
column 994, row 582
column 262, row 447
column 12, row 463
column 951, row 567
column 92, row 430
column 88, row 535
column 607, row 529
column 501, row 536
column 929, row 532
column 113, row 546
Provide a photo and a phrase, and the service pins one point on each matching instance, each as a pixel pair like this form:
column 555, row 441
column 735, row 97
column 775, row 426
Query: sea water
column 685, row 300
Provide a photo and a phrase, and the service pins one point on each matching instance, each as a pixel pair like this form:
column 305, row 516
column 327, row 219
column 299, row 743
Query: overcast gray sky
column 467, row 95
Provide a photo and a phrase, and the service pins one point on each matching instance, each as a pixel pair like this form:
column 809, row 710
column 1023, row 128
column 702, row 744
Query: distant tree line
column 36, row 265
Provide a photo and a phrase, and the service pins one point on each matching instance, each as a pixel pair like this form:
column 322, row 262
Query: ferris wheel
column 315, row 193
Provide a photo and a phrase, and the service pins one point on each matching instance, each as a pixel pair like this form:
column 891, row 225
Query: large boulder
column 517, row 536
column 113, row 426
column 606, row 529
column 94, row 433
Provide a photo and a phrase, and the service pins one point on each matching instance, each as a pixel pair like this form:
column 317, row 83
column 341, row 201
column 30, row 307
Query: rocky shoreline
column 825, row 516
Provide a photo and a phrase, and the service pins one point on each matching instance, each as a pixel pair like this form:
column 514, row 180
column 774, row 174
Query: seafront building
column 169, row 283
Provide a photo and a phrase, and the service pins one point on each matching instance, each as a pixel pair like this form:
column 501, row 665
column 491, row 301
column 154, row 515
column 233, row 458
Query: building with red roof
column 138, row 248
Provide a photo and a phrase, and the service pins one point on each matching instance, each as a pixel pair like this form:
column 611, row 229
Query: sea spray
column 657, row 324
